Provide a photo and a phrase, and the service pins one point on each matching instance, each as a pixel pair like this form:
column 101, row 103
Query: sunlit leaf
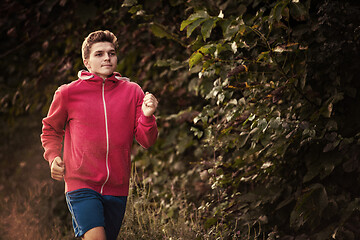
column 195, row 59
column 193, row 17
column 129, row 3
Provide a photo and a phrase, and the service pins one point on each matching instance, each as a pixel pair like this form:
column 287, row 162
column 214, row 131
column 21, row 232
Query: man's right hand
column 57, row 169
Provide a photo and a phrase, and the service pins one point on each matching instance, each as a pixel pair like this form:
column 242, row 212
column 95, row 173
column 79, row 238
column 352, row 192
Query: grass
column 37, row 210
column 30, row 215
column 147, row 220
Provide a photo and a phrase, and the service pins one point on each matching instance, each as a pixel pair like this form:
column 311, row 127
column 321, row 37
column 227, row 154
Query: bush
column 257, row 115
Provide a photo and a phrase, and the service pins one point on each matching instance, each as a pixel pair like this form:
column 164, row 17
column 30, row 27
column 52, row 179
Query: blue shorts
column 90, row 209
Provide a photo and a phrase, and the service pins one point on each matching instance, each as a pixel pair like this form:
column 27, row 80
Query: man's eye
column 112, row 54
column 98, row 54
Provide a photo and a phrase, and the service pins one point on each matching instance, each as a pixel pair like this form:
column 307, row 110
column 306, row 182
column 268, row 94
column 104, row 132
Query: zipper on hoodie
column 107, row 139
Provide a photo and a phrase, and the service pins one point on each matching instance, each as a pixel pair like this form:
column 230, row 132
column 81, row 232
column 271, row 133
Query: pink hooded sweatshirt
column 100, row 118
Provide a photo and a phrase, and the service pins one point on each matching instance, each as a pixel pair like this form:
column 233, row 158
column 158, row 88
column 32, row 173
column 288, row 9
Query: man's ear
column 86, row 63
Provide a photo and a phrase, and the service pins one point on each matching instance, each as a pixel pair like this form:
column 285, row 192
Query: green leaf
column 194, row 25
column 195, row 58
column 229, row 30
column 313, row 171
column 265, row 56
column 135, row 9
column 298, row 11
column 159, row 31
column 277, row 11
column 207, row 27
column 198, row 133
column 309, row 207
column 185, row 23
column 193, row 17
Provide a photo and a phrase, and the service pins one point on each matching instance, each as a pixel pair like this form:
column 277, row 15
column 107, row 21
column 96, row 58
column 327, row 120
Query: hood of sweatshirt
column 85, row 75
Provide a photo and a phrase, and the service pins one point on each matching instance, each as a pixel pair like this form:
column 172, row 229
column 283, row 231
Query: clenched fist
column 57, row 169
column 149, row 104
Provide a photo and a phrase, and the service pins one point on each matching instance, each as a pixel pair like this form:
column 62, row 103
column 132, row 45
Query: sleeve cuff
column 147, row 120
column 51, row 158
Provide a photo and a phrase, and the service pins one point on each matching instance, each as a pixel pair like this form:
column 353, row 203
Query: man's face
column 102, row 60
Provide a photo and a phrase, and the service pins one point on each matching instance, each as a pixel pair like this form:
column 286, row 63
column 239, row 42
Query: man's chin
column 107, row 73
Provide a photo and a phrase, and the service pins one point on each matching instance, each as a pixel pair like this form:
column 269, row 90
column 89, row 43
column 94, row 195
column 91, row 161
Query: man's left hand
column 149, row 105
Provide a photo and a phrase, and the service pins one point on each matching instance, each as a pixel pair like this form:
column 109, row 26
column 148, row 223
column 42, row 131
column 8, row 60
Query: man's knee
column 97, row 233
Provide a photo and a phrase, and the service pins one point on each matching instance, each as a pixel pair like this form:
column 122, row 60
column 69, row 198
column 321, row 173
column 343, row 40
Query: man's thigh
column 87, row 210
column 114, row 211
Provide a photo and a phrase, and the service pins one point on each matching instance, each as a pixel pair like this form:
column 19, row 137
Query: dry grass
column 147, row 220
column 38, row 211
column 30, row 215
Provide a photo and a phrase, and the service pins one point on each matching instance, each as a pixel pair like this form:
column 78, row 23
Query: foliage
column 258, row 104
column 269, row 129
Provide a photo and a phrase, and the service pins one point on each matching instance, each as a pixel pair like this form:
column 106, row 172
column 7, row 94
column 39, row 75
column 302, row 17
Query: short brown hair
column 95, row 37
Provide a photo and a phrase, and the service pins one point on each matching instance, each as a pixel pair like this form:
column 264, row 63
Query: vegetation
column 257, row 114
